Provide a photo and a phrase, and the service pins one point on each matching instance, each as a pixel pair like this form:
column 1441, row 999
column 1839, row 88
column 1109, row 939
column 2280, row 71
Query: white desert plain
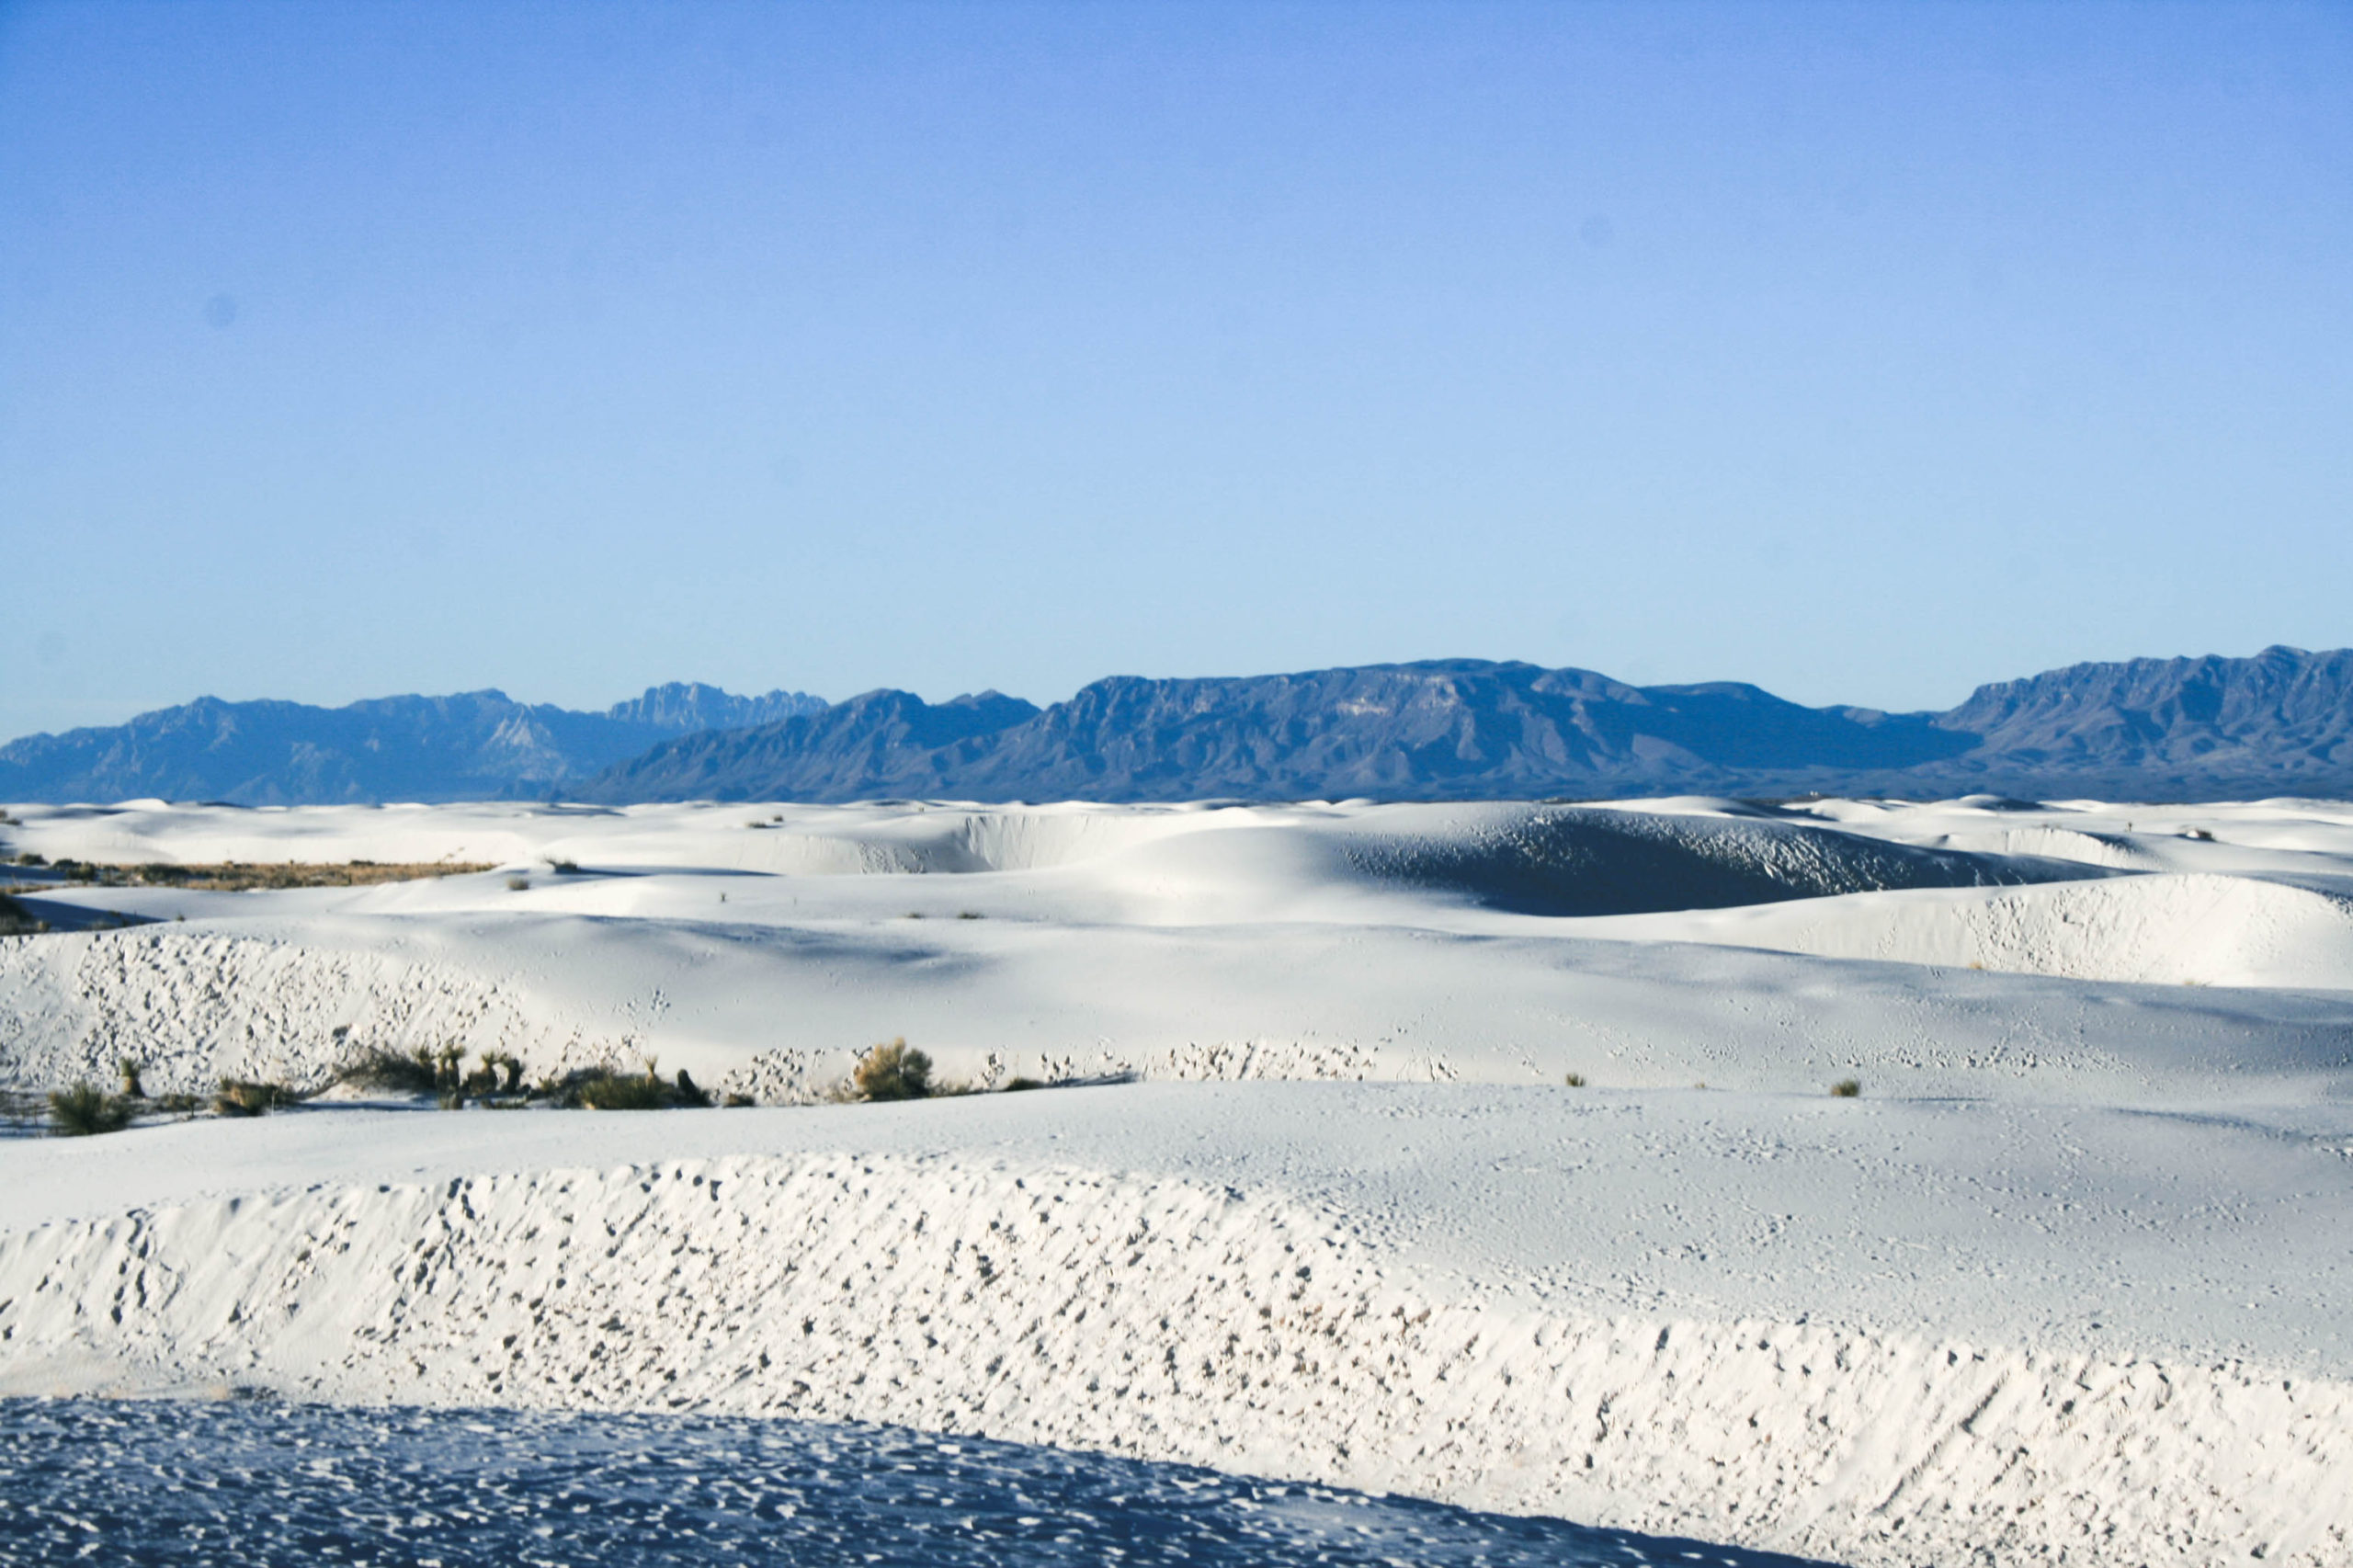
column 1487, row 1154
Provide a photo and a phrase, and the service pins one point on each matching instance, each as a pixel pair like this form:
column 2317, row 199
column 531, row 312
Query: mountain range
column 474, row 746
column 2281, row 722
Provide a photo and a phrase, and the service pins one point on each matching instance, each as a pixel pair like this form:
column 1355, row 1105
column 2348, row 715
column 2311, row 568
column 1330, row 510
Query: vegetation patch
column 85, row 1110
column 237, row 876
column 605, row 1089
column 891, row 1072
column 241, row 1097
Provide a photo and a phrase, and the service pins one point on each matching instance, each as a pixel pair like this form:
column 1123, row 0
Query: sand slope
column 2064, row 1285
column 1157, row 1313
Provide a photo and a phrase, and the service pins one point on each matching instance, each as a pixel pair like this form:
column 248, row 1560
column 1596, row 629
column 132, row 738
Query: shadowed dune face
column 1582, row 863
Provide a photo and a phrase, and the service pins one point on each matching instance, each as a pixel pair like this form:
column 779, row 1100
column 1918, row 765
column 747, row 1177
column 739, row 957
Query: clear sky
column 1866, row 352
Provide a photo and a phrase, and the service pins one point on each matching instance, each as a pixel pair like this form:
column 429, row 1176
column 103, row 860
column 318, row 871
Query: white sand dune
column 2064, row 1285
column 2173, row 929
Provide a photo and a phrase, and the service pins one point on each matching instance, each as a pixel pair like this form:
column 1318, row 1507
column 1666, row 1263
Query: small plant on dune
column 1015, row 1085
column 1574, row 1080
column 1846, row 1089
column 519, row 885
column 605, row 1089
column 564, row 868
column 736, row 1100
column 891, row 1072
column 241, row 1097
column 377, row 1068
column 690, row 1093
column 129, row 1067
column 84, row 1110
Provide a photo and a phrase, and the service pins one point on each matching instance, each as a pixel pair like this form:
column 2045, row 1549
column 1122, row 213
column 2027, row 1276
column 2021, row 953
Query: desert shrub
column 179, row 1105
column 1015, row 1085
column 564, row 868
column 1846, row 1089
column 891, row 1072
column 690, row 1093
column 377, row 1068
column 239, row 1097
column 1574, row 1080
column 604, row 1089
column 131, row 1087
column 85, row 1109
column 519, row 885
column 29, row 859
column 737, row 1101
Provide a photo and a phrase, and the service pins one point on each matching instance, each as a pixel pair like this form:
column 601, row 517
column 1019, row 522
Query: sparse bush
column 239, row 1097
column 690, row 1093
column 969, row 914
column 84, row 1110
column 131, row 1089
column 380, row 1068
column 1015, row 1085
column 519, row 885
column 564, row 868
column 29, row 859
column 608, row 1090
column 1574, row 1080
column 891, row 1072
column 451, row 1099
column 736, row 1101
column 1846, row 1089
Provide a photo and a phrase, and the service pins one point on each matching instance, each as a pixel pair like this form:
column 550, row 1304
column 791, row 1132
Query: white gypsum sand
column 2064, row 1284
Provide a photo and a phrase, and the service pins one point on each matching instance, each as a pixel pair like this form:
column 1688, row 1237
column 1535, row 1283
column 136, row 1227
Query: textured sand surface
column 2064, row 1285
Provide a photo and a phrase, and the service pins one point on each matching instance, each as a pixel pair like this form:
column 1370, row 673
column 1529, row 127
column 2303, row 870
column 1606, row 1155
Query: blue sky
column 1864, row 352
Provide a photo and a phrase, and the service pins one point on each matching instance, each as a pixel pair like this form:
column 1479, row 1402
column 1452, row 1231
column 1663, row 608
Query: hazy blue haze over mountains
column 474, row 746
column 2281, row 722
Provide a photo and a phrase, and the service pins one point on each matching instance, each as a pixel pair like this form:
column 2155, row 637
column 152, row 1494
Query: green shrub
column 605, row 1089
column 1574, row 1080
column 128, row 1067
column 891, row 1072
column 1015, row 1085
column 1846, row 1089
column 85, row 1109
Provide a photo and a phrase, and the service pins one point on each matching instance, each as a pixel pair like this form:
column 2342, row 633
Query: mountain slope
column 2280, row 722
column 1446, row 729
column 473, row 745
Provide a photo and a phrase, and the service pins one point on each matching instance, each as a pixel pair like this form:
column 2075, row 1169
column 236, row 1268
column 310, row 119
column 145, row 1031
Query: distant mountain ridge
column 2281, row 722
column 472, row 745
